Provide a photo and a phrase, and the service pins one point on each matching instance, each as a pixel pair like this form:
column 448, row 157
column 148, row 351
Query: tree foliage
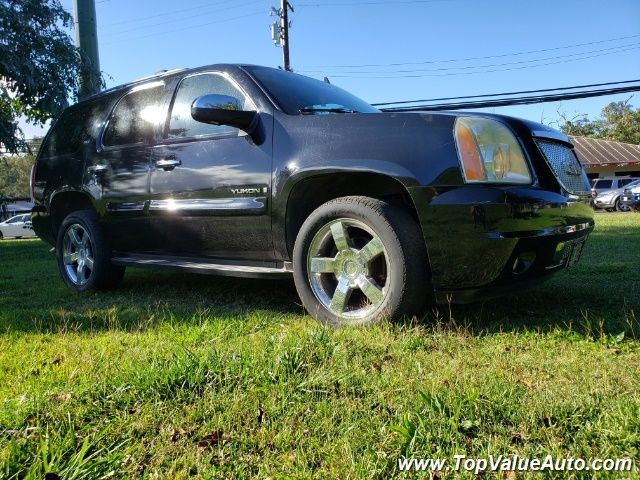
column 619, row 121
column 14, row 180
column 39, row 65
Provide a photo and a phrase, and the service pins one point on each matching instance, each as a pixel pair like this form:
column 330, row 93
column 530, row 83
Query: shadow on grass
column 601, row 296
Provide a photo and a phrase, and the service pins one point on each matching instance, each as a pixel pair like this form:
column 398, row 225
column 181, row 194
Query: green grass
column 176, row 376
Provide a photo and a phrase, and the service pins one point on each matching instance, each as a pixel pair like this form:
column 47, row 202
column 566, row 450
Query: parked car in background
column 604, row 184
column 631, row 196
column 251, row 171
column 18, row 226
column 611, row 200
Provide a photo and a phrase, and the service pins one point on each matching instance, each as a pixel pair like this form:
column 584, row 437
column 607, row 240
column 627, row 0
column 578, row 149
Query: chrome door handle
column 168, row 163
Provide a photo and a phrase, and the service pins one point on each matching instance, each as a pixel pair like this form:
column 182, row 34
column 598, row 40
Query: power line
column 370, row 65
column 188, row 27
column 506, row 93
column 520, row 62
column 164, row 14
column 370, row 2
column 175, row 20
column 504, row 102
column 369, row 77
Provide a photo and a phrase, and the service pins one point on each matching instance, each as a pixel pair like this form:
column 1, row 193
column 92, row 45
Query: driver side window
column 181, row 125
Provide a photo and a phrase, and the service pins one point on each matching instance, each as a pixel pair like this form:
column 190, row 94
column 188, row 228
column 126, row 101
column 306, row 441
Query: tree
column 39, row 65
column 619, row 121
column 14, row 181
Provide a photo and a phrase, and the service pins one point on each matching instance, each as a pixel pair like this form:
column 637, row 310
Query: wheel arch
column 316, row 188
column 64, row 202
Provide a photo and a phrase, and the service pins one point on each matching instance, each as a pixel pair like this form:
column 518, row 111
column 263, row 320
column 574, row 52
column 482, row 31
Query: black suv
column 257, row 172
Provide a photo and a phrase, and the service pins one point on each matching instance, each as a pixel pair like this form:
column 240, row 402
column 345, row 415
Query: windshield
column 300, row 95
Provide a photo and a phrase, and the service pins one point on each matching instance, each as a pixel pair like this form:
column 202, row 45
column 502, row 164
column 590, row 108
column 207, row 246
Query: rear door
column 120, row 168
column 210, row 184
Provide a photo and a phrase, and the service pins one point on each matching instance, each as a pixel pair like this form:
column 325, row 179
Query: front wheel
column 621, row 207
column 84, row 259
column 358, row 260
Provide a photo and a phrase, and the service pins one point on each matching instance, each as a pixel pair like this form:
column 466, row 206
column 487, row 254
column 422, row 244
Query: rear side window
column 624, row 181
column 181, row 125
column 75, row 127
column 135, row 116
column 602, row 184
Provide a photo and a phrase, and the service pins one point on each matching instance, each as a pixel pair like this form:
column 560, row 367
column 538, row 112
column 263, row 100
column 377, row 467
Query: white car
column 17, row 227
column 612, row 200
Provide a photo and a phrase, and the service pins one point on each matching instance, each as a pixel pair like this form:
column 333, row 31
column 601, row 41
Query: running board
column 211, row 267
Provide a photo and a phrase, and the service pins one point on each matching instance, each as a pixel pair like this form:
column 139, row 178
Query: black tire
column 621, row 207
column 1, row 236
column 92, row 245
column 399, row 269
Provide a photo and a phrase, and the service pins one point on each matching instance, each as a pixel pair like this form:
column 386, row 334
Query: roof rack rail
column 159, row 73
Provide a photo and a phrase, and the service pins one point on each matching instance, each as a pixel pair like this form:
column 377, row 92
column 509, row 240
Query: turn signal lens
column 489, row 152
column 469, row 153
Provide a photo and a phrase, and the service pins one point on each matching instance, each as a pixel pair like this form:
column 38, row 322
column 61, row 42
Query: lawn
column 176, row 375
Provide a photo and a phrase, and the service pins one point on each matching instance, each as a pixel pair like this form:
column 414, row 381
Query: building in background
column 8, row 210
column 606, row 158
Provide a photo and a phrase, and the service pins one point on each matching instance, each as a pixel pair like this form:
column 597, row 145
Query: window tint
column 76, row 126
column 134, row 117
column 623, row 182
column 602, row 184
column 14, row 220
column 181, row 125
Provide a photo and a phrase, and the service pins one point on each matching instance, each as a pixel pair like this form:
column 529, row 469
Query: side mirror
column 223, row 110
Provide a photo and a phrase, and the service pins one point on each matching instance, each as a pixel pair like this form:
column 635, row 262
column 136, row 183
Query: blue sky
column 414, row 48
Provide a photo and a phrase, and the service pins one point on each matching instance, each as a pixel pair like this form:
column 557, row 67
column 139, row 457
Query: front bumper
column 631, row 200
column 485, row 241
column 599, row 203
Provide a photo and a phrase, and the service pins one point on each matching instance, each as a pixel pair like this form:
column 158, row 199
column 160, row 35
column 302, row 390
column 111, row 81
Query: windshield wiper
column 307, row 110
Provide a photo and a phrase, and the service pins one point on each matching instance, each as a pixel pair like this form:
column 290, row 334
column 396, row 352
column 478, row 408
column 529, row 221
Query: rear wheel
column 84, row 258
column 359, row 260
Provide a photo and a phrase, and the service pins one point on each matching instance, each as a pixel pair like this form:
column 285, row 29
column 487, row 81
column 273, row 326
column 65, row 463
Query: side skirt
column 227, row 268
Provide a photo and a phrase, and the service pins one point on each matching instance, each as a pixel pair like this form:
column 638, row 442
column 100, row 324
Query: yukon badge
column 246, row 191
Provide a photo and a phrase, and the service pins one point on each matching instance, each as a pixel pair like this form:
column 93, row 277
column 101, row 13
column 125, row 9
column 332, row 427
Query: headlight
column 489, row 152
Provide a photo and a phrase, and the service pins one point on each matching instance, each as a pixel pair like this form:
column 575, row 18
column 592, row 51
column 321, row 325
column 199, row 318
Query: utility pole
column 280, row 30
column 87, row 41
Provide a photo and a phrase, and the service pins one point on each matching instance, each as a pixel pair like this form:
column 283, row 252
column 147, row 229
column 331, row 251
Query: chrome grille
column 565, row 166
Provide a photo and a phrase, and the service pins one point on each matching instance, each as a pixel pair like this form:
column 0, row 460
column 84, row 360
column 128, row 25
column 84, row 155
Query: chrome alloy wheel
column 77, row 254
column 347, row 267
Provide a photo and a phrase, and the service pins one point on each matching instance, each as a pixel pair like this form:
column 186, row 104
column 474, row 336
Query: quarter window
column 181, row 125
column 134, row 117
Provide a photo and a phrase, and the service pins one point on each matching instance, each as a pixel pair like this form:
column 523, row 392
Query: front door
column 210, row 184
